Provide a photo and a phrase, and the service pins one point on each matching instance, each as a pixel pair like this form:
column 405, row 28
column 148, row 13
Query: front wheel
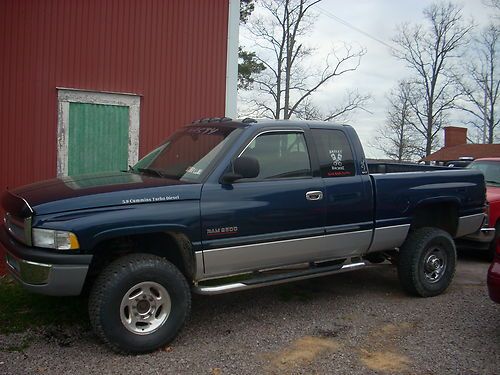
column 139, row 303
column 427, row 262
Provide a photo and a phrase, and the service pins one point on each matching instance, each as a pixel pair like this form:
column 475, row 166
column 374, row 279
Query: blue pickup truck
column 227, row 205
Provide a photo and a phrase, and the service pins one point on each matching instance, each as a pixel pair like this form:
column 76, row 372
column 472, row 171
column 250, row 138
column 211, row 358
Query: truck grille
column 18, row 228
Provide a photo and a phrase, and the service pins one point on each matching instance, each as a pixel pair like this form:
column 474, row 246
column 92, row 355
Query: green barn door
column 98, row 138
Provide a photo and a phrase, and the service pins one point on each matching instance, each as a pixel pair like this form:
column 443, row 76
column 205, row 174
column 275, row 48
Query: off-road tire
column 418, row 257
column 112, row 285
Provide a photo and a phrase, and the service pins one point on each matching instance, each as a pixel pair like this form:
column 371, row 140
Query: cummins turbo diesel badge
column 151, row 199
column 222, row 231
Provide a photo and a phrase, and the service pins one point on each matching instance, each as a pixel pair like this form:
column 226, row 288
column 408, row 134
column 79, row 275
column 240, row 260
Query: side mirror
column 243, row 167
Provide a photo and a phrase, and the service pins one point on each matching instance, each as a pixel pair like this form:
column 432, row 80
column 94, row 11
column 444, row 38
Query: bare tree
column 481, row 84
column 430, row 52
column 287, row 84
column 353, row 100
column 397, row 139
column 493, row 4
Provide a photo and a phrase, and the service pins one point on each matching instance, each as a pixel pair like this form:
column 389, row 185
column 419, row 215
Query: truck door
column 348, row 194
column 272, row 220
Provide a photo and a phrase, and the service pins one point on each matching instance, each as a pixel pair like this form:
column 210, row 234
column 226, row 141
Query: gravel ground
column 354, row 323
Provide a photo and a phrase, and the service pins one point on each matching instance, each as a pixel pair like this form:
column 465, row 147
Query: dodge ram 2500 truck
column 228, row 205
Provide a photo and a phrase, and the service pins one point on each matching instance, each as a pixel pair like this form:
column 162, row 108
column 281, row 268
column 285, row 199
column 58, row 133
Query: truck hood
column 96, row 190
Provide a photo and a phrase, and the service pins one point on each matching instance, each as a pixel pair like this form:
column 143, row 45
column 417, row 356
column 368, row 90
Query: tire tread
column 409, row 255
column 110, row 277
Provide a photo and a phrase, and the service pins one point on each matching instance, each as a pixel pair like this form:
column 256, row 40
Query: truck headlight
column 54, row 239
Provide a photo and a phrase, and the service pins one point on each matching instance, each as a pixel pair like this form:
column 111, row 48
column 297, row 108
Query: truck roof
column 260, row 123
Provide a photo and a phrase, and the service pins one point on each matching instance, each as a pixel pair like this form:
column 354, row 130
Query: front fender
column 137, row 230
column 96, row 225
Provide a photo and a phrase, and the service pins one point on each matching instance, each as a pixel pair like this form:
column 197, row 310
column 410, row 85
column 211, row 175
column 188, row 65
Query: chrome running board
column 261, row 279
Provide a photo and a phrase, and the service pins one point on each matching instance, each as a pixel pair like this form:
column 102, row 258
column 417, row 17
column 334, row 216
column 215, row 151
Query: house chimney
column 454, row 135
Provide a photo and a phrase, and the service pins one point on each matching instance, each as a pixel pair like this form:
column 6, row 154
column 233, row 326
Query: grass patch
column 20, row 310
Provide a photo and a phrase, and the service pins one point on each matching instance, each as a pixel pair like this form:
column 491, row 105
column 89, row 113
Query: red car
column 491, row 169
column 494, row 277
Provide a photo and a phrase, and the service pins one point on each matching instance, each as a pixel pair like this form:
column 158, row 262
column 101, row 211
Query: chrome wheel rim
column 435, row 263
column 145, row 308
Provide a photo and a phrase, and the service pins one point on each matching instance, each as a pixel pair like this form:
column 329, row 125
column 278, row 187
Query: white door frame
column 233, row 24
column 66, row 96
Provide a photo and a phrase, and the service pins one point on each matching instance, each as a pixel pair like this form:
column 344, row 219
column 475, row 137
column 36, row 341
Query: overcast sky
column 379, row 70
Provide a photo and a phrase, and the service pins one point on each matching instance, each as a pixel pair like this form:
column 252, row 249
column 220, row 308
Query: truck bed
column 401, row 195
column 383, row 167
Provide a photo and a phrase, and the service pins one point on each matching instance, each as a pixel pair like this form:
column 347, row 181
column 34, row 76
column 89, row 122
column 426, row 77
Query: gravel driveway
column 354, row 323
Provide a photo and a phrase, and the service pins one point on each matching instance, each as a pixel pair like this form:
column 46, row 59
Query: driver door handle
column 315, row 195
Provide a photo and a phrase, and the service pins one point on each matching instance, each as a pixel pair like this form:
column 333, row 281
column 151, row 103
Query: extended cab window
column 334, row 152
column 280, row 155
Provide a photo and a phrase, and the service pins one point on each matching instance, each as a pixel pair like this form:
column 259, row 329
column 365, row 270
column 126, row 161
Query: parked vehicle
column 490, row 167
column 230, row 205
column 460, row 163
column 494, row 277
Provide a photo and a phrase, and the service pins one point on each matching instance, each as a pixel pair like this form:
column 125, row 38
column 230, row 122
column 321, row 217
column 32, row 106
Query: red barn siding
column 171, row 52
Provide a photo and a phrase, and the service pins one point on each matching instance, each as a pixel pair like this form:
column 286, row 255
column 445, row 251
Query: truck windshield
column 187, row 154
column 490, row 169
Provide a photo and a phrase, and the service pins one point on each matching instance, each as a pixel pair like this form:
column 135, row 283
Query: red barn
column 90, row 85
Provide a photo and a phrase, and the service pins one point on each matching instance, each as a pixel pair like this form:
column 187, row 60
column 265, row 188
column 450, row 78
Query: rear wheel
column 427, row 262
column 139, row 303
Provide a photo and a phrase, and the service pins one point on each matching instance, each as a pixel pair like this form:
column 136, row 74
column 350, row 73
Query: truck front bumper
column 45, row 272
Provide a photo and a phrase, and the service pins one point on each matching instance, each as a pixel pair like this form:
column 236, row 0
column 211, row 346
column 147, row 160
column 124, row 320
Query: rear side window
column 334, row 152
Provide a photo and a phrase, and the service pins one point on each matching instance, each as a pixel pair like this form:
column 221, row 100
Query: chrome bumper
column 49, row 279
column 482, row 235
